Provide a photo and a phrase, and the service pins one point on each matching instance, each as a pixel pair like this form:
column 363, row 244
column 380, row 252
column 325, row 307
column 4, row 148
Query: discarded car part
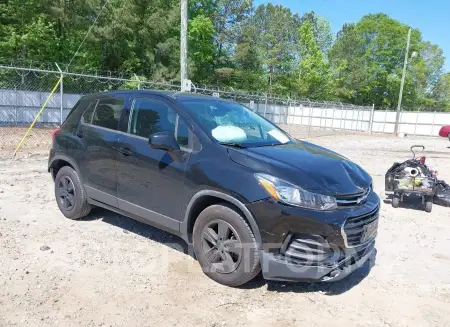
column 442, row 196
column 412, row 178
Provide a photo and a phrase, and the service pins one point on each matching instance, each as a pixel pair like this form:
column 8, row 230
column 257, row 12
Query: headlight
column 291, row 194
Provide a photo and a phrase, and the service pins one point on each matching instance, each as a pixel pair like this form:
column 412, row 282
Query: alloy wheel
column 221, row 246
column 66, row 193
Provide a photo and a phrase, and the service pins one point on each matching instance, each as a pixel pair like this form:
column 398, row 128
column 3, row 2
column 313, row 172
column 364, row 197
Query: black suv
column 243, row 192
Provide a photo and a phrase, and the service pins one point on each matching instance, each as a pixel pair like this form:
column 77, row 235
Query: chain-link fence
column 23, row 92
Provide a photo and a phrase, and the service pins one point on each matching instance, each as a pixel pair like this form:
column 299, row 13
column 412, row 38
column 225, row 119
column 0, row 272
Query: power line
column 87, row 34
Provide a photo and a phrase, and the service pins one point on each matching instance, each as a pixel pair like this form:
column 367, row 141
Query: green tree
column 321, row 30
column 441, row 92
column 249, row 72
column 368, row 59
column 25, row 33
column 227, row 17
column 139, row 36
column 276, row 29
column 201, row 47
column 347, row 58
column 314, row 79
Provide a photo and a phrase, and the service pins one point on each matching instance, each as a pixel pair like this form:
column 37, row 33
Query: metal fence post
column 310, row 118
column 16, row 105
column 384, row 122
column 288, row 114
column 301, row 117
column 357, row 119
column 321, row 115
column 432, row 127
column 372, row 113
column 347, row 108
column 61, row 94
column 417, row 120
column 332, row 119
column 265, row 106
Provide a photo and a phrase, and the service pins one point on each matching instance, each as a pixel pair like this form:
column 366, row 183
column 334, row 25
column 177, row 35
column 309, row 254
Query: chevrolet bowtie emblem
column 361, row 199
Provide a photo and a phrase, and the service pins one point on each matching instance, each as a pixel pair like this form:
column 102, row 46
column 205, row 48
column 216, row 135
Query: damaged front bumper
column 306, row 245
column 278, row 267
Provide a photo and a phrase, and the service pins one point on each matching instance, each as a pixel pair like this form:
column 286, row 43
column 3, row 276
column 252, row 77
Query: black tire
column 243, row 269
column 395, row 202
column 73, row 204
column 428, row 206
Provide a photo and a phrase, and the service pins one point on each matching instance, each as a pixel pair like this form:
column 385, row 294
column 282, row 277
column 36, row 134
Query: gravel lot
column 108, row 270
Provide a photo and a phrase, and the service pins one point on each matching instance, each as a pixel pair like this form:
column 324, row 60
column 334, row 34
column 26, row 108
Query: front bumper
column 277, row 268
column 305, row 245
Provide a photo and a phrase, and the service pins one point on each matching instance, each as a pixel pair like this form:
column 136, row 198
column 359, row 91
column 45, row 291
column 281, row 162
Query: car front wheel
column 225, row 246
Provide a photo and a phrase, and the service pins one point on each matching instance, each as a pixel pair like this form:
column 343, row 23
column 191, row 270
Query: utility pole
column 400, row 97
column 183, row 45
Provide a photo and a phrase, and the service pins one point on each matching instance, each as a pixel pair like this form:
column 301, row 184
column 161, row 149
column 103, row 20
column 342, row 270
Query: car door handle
column 80, row 134
column 125, row 151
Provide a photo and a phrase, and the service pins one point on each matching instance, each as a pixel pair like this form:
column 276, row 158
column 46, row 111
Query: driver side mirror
column 164, row 141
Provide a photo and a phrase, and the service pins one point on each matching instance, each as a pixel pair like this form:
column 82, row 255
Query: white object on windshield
column 278, row 136
column 229, row 134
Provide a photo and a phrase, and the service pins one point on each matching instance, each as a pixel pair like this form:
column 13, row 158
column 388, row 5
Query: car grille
column 354, row 227
column 353, row 199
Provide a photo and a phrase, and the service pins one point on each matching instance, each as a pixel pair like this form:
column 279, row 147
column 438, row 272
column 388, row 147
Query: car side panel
column 94, row 148
column 149, row 179
column 212, row 169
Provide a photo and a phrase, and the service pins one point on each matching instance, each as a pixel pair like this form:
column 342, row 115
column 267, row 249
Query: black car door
column 98, row 130
column 149, row 181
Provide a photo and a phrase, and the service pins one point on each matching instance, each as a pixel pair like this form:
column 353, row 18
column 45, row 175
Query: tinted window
column 107, row 113
column 75, row 114
column 150, row 116
column 87, row 116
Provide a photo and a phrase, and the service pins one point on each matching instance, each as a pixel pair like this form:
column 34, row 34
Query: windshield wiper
column 233, row 144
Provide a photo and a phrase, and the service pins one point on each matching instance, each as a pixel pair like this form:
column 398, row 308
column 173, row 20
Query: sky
column 431, row 17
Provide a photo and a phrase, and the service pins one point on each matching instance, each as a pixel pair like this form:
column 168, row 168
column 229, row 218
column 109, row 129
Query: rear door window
column 75, row 113
column 87, row 116
column 107, row 113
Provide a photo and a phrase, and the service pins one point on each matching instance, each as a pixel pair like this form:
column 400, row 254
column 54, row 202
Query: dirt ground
column 38, row 140
column 108, row 270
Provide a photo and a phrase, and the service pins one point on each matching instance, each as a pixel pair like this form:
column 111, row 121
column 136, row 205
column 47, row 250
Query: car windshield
column 234, row 124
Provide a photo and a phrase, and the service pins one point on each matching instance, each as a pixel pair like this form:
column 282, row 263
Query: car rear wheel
column 70, row 194
column 225, row 246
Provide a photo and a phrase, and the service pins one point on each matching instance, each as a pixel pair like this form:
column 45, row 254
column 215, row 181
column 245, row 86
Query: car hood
column 307, row 165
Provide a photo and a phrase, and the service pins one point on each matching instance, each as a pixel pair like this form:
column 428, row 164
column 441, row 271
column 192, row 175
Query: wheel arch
column 60, row 161
column 203, row 199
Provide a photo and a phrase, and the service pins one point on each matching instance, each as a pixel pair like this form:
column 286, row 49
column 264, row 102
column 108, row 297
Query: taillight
column 55, row 132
